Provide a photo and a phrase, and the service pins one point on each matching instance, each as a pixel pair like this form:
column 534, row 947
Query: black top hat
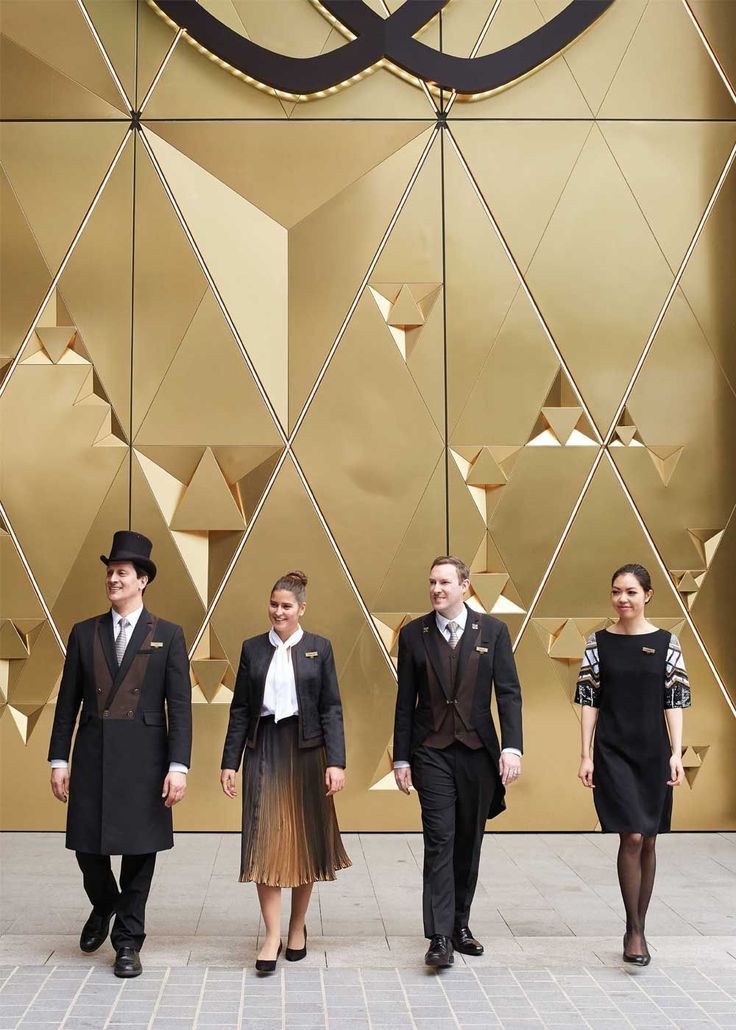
column 132, row 547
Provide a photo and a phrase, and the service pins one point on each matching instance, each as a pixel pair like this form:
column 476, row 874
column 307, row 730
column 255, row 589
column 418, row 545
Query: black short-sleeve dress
column 631, row 679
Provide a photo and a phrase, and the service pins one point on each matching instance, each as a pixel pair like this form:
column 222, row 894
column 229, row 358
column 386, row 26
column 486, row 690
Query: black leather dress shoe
column 268, row 965
column 127, row 963
column 439, row 953
column 463, row 941
column 636, row 960
column 297, row 954
column 94, row 932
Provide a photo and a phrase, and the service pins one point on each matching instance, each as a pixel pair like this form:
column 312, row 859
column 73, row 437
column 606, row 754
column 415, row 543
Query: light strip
column 523, row 285
column 238, row 551
column 343, row 564
column 364, row 283
column 32, row 578
column 55, row 281
column 476, row 47
column 680, row 600
column 106, row 59
column 160, row 72
column 711, row 51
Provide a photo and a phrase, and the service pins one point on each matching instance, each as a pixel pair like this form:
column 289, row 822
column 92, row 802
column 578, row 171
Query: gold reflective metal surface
column 341, row 337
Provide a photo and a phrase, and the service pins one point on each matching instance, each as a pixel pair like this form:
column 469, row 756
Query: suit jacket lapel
column 263, row 661
column 468, row 642
column 145, row 620
column 431, row 638
column 108, row 643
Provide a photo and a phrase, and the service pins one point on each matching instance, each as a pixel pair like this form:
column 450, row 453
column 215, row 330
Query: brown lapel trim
column 142, row 637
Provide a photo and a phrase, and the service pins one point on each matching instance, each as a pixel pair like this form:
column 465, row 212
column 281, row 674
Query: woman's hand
column 334, row 779
column 227, row 782
column 677, row 771
column 585, row 772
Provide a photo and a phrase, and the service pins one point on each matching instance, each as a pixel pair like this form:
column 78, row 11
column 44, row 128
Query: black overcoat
column 486, row 658
column 318, row 697
column 123, row 745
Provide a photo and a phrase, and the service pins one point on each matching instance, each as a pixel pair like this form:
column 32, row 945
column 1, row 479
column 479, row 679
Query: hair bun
column 298, row 576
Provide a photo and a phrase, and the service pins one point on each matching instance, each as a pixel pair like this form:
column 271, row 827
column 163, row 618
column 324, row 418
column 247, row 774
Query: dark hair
column 463, row 572
column 638, row 571
column 295, row 582
column 139, row 571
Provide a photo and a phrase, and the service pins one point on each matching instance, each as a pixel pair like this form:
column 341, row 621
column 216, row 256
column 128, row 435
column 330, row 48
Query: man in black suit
column 445, row 744
column 128, row 670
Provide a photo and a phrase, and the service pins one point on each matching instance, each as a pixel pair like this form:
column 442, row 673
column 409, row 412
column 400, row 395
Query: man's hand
column 403, row 779
column 60, row 784
column 227, row 782
column 334, row 779
column 175, row 787
column 509, row 766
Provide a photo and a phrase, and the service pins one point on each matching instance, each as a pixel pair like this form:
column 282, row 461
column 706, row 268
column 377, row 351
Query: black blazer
column 318, row 696
column 134, row 721
column 494, row 668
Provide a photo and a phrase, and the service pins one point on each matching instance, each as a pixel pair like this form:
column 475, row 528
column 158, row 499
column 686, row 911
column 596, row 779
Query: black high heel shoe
column 268, row 965
column 296, row 954
column 636, row 960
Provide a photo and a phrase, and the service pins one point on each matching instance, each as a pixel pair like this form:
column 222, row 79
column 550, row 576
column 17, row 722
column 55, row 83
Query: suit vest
column 452, row 717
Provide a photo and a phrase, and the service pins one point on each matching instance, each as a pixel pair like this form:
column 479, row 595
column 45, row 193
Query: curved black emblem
column 378, row 38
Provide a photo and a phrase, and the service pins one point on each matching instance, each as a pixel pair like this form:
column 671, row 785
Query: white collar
column 460, row 620
column 132, row 618
column 276, row 640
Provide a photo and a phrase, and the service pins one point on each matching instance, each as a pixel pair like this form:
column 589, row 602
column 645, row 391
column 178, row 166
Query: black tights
column 637, row 863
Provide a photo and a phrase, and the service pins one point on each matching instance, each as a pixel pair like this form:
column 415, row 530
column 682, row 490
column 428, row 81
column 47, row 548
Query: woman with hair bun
column 286, row 714
column 633, row 687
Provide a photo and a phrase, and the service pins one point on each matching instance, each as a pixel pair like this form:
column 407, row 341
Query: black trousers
column 128, row 901
column 455, row 787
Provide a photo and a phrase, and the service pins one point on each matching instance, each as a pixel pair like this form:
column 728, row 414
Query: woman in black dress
column 633, row 687
column 286, row 712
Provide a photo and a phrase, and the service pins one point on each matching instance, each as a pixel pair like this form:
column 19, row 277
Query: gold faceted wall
column 347, row 335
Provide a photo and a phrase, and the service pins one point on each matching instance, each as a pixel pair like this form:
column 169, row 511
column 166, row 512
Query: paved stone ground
column 547, row 909
column 601, row 998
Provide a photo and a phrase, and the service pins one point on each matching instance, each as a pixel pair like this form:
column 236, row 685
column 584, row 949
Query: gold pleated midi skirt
column 290, row 831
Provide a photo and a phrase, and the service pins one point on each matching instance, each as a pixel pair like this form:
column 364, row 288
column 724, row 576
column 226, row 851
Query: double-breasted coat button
column 99, row 690
column 136, row 690
column 130, row 715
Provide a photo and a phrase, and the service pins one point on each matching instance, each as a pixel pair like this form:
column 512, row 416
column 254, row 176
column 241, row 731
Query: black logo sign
column 378, row 39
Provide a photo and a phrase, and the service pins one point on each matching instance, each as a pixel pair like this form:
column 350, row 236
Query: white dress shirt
column 117, row 618
column 460, row 621
column 279, row 693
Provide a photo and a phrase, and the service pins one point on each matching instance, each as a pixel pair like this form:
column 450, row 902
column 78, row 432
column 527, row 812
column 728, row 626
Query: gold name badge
column 482, row 650
column 312, row 654
column 649, row 650
column 156, row 643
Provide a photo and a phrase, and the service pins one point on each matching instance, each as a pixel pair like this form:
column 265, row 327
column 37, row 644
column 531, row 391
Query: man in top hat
column 128, row 670
column 446, row 743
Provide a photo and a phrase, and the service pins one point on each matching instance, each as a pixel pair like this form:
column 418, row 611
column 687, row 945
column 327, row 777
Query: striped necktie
column 122, row 641
column 454, row 631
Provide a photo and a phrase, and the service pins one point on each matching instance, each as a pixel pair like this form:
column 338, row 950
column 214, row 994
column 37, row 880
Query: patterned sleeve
column 588, row 687
column 676, row 684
